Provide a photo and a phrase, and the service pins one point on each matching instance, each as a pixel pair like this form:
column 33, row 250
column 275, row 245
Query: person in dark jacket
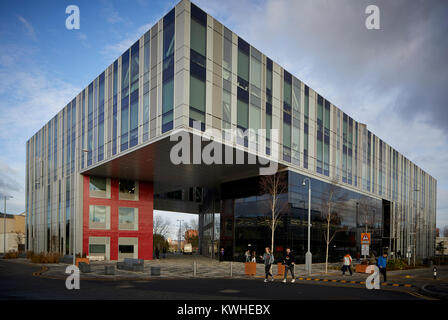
column 164, row 252
column 382, row 264
column 221, row 255
column 157, row 252
column 288, row 262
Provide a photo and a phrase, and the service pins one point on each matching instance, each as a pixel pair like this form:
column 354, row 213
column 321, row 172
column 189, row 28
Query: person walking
column 247, row 255
column 288, row 262
column 221, row 255
column 382, row 265
column 268, row 259
column 157, row 252
column 164, row 252
column 347, row 265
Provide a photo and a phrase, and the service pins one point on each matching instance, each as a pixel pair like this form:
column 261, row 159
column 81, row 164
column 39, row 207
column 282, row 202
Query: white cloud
column 114, row 50
column 28, row 28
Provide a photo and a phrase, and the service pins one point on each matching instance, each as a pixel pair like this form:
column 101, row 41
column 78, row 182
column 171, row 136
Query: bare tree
column 161, row 226
column 274, row 185
column 19, row 237
column 330, row 205
column 445, row 231
column 366, row 213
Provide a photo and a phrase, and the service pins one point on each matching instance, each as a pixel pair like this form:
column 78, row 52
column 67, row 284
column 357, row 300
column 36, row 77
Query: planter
column 250, row 268
column 361, row 268
column 85, row 260
column 109, row 270
column 280, row 269
column 155, row 271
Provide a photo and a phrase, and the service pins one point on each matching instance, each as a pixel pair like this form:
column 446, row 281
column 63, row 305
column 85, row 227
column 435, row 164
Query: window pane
column 255, row 117
column 198, row 37
column 242, row 113
column 126, row 248
column 98, row 183
column 97, row 214
column 243, row 65
column 197, row 93
column 227, row 110
column 167, row 95
column 255, row 72
column 97, row 248
column 126, row 215
column 127, row 186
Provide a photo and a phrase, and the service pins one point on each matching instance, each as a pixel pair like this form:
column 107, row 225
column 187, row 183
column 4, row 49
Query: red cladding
column 145, row 218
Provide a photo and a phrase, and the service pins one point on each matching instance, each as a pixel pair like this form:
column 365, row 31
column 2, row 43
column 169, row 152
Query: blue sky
column 400, row 69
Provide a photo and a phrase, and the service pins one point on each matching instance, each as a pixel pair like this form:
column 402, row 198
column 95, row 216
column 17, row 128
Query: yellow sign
column 365, row 238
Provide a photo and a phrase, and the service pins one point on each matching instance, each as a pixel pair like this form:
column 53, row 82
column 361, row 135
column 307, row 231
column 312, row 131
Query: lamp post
column 4, row 223
column 180, row 232
column 308, row 255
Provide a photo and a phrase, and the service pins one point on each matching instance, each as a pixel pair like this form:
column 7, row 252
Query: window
column 128, row 190
column 197, row 94
column 126, row 248
column 128, row 218
column 198, row 45
column 99, row 217
column 168, row 72
column 126, row 215
column 97, row 248
column 98, row 214
column 98, row 183
column 127, row 186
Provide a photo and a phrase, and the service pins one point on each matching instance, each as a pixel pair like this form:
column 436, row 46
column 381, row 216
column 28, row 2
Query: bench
column 130, row 264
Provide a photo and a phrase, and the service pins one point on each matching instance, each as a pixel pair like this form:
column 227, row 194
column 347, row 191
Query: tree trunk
column 272, row 237
column 328, row 244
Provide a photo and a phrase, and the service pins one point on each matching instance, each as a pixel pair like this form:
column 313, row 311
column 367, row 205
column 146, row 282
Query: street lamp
column 308, row 255
column 4, row 224
column 180, row 232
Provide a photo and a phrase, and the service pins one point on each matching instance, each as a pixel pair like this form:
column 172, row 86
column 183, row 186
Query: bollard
column 231, row 268
column 434, row 270
column 194, row 269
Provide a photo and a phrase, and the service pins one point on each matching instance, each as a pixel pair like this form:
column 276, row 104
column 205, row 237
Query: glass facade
column 245, row 208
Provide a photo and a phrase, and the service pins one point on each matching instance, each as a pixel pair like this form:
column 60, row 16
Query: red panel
column 145, row 218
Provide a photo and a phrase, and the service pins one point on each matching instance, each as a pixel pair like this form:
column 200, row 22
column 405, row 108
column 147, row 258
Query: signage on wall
column 365, row 238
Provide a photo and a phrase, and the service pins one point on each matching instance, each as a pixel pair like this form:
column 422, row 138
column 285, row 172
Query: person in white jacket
column 347, row 264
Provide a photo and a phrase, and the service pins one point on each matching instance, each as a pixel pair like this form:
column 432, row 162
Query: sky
column 393, row 79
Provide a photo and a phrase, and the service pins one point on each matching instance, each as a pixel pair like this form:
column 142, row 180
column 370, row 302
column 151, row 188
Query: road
column 17, row 282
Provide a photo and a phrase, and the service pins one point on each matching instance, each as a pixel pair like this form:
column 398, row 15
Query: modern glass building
column 97, row 170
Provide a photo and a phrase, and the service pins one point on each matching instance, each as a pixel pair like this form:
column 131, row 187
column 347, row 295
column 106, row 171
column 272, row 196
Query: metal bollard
column 231, row 268
column 194, row 269
column 434, row 270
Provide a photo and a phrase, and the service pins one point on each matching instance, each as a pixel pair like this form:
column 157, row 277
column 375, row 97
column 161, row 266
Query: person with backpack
column 288, row 262
column 268, row 259
column 347, row 264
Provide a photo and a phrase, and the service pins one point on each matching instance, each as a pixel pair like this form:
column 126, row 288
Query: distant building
column 15, row 232
column 444, row 240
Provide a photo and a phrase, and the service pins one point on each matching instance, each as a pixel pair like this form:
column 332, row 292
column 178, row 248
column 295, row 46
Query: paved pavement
column 17, row 282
